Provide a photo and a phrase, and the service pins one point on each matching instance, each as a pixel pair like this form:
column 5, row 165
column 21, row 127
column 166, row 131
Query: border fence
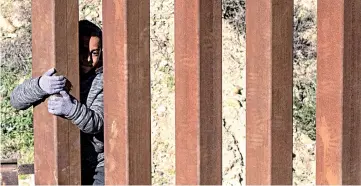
column 198, row 62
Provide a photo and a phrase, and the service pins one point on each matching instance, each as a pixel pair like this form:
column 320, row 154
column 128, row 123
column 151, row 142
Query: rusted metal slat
column 338, row 113
column 269, row 92
column 198, row 58
column 55, row 44
column 9, row 172
column 127, row 92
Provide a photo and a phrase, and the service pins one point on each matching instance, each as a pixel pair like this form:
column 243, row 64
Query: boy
column 87, row 113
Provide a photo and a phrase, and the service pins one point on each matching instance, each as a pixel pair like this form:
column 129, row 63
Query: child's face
column 89, row 53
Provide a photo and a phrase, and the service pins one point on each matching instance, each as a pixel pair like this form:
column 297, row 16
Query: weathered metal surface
column 8, row 172
column 8, row 161
column 269, row 92
column 9, row 178
column 127, row 92
column 198, row 58
column 26, row 169
column 338, row 93
column 55, row 44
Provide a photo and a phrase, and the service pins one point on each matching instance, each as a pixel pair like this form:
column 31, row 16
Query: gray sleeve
column 27, row 94
column 89, row 119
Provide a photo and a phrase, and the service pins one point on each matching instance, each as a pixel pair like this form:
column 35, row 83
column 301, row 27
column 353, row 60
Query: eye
column 95, row 52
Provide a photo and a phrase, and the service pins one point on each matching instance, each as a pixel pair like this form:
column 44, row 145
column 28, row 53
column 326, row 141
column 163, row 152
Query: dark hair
column 87, row 28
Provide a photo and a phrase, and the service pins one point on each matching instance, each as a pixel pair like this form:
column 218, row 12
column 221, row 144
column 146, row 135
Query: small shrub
column 16, row 125
column 234, row 11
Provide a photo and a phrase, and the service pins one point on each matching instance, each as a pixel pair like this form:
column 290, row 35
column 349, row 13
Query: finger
column 53, row 87
column 54, row 98
column 57, row 78
column 51, row 108
column 57, row 90
column 50, row 101
column 52, row 105
column 50, row 72
column 51, row 111
column 60, row 82
column 61, row 86
column 57, row 84
column 54, row 112
column 64, row 94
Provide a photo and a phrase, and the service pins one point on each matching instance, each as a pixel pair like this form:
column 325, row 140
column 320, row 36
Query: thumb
column 65, row 95
column 50, row 72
